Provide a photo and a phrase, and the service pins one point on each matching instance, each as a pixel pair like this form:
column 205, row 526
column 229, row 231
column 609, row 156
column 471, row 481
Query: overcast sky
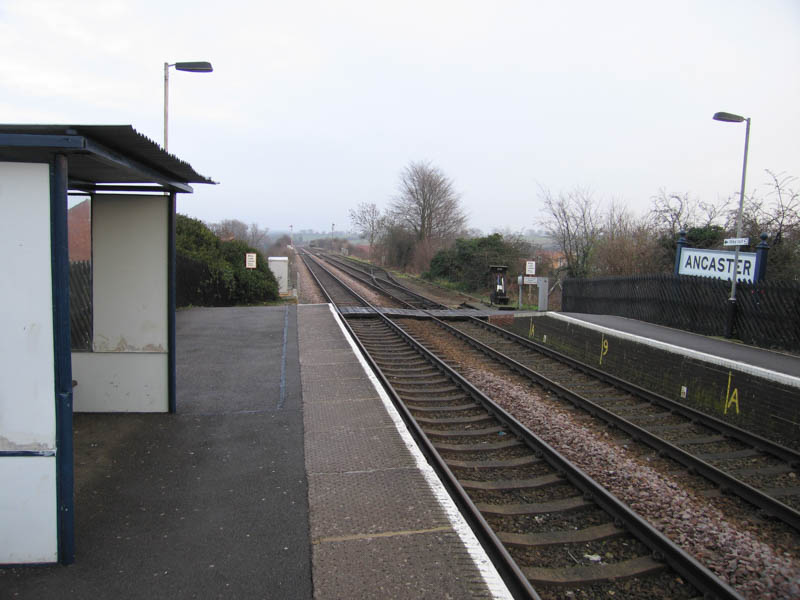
column 314, row 107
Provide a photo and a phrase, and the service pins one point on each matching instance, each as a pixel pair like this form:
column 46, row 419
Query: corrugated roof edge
column 123, row 139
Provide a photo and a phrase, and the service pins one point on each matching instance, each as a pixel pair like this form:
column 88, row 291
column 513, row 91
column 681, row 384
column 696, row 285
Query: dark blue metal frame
column 171, row 295
column 62, row 356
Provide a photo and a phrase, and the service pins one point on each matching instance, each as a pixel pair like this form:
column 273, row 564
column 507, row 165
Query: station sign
column 250, row 260
column 717, row 264
column 530, row 267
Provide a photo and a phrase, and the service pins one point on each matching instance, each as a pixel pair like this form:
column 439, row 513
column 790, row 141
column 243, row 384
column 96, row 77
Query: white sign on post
column 530, row 280
column 530, row 267
column 250, row 260
column 737, row 241
column 717, row 264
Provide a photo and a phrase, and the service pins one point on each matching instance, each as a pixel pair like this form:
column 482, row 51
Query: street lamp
column 192, row 67
column 731, row 311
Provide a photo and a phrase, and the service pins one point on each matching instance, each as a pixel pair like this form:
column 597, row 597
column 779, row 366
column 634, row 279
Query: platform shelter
column 129, row 362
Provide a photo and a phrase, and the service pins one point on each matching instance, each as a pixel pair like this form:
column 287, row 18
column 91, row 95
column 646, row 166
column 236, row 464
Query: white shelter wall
column 120, row 382
column 129, row 273
column 28, row 511
column 27, row 384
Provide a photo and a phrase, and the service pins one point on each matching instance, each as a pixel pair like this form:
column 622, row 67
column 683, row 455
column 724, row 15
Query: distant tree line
column 424, row 230
column 211, row 271
column 252, row 235
column 612, row 241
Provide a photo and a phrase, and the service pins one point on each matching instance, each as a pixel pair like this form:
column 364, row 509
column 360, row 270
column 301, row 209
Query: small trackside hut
column 129, row 364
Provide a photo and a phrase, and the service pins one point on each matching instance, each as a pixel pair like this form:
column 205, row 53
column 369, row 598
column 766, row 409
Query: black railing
column 768, row 312
column 80, row 304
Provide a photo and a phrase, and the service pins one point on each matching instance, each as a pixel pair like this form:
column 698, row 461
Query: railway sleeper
column 586, row 574
column 572, row 503
column 486, row 446
column 513, row 484
column 434, row 433
column 568, row 536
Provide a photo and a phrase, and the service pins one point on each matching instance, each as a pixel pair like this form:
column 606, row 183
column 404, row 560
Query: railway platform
column 778, row 362
column 284, row 474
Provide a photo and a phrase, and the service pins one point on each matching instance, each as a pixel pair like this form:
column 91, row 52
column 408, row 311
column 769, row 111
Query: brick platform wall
column 769, row 408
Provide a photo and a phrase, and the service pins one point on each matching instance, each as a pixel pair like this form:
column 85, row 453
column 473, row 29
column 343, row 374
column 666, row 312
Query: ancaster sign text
column 717, row 264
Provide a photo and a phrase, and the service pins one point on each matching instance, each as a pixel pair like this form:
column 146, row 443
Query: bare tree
column 257, row 237
column 778, row 215
column 233, row 229
column 369, row 222
column 626, row 245
column 574, row 222
column 428, row 205
column 230, row 229
column 673, row 212
column 783, row 212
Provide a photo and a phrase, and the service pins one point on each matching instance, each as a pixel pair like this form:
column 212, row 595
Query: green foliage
column 250, row 285
column 708, row 236
column 467, row 262
column 210, row 272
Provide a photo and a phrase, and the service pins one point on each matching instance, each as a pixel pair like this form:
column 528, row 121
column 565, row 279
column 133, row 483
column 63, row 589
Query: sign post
column 250, row 260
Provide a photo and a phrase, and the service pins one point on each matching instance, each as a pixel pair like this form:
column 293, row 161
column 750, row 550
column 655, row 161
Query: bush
column 467, row 262
column 209, row 272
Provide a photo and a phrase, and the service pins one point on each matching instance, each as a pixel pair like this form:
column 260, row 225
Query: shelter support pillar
column 65, row 479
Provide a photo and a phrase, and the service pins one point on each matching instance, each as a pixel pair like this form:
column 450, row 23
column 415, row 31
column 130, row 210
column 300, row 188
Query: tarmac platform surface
column 213, row 502
column 210, row 502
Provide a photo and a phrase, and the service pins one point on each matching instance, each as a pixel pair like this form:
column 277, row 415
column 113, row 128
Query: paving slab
column 410, row 566
column 381, row 525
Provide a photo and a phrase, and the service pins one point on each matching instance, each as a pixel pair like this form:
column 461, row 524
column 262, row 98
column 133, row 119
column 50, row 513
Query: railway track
column 380, row 280
column 548, row 527
column 738, row 462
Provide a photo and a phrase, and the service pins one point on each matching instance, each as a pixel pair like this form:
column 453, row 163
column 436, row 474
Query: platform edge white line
column 491, row 577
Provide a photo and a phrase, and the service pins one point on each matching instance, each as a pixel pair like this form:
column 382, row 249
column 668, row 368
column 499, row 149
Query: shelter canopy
column 114, row 158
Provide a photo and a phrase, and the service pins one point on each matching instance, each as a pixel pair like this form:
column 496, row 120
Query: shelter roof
column 101, row 157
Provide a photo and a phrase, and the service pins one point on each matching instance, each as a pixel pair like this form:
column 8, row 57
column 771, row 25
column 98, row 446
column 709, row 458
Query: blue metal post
column 682, row 243
column 59, row 248
column 762, row 251
column 171, row 363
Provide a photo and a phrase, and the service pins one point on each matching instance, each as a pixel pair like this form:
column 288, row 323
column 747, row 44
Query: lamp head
column 728, row 117
column 194, row 67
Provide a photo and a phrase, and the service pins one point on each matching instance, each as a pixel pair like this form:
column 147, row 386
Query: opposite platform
column 381, row 524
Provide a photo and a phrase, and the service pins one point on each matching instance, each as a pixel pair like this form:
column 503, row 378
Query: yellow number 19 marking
column 603, row 348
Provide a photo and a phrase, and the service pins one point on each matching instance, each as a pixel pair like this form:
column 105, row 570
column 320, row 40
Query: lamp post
column 192, row 67
column 731, row 311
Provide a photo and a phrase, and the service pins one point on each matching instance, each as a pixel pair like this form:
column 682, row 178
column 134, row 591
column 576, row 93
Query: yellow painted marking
column 603, row 348
column 530, row 331
column 731, row 398
column 386, row 534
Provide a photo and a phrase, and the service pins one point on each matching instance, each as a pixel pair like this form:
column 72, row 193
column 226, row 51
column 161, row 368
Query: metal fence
column 80, row 304
column 768, row 312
